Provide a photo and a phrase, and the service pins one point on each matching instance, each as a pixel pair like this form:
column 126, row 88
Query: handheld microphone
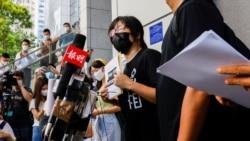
column 70, row 68
column 56, row 126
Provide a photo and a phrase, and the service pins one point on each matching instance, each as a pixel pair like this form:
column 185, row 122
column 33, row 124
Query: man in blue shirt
column 67, row 37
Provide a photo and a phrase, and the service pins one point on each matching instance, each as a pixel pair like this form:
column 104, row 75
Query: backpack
column 1, row 127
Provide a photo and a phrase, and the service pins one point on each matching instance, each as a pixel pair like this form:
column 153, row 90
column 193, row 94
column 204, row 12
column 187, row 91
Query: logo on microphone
column 75, row 56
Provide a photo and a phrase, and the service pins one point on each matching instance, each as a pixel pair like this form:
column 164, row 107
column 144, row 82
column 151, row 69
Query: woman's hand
column 225, row 102
column 103, row 92
column 240, row 75
column 95, row 112
column 123, row 81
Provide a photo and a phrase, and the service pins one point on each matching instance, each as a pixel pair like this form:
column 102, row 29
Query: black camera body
column 6, row 83
column 47, row 69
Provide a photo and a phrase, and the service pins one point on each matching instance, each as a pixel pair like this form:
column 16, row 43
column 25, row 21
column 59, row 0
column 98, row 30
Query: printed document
column 113, row 66
column 196, row 65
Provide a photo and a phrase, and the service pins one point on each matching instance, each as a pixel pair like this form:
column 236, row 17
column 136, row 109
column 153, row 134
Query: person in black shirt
column 18, row 114
column 138, row 79
column 185, row 113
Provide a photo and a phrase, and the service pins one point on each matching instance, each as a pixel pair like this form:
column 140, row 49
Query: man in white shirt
column 4, row 59
column 23, row 62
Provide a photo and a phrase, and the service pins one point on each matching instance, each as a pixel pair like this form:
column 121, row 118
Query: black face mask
column 121, row 42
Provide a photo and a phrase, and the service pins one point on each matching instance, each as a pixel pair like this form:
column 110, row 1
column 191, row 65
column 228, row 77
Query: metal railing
column 37, row 58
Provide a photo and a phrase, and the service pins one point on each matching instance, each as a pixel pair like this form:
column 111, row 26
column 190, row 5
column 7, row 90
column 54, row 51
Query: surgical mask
column 24, row 48
column 121, row 42
column 44, row 92
column 99, row 75
column 66, row 29
column 50, row 75
column 46, row 37
column 4, row 63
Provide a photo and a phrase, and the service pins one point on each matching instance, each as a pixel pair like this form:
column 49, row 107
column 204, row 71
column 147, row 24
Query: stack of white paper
column 113, row 66
column 50, row 97
column 196, row 65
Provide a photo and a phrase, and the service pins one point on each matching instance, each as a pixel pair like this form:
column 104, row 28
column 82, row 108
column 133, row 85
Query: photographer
column 50, row 71
column 18, row 114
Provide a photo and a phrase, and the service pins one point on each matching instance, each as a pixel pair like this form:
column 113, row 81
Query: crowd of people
column 21, row 105
column 152, row 106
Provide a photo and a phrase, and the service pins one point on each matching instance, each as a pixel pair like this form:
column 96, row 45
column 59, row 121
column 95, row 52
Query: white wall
column 237, row 15
column 149, row 12
column 235, row 12
column 145, row 10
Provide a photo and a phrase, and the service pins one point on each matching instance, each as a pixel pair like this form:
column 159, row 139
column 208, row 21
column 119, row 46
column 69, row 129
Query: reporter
column 103, row 114
column 36, row 105
column 18, row 114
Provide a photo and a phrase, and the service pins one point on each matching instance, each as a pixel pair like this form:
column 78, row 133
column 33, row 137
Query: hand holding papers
column 111, row 68
column 199, row 61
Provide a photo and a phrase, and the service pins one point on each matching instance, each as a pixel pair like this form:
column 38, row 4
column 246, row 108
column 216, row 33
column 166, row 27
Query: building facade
column 59, row 12
column 92, row 18
column 154, row 13
column 39, row 22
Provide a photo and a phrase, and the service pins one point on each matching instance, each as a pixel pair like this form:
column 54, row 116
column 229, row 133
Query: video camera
column 6, row 83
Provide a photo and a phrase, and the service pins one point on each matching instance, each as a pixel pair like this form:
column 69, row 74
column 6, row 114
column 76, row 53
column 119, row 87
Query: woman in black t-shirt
column 138, row 80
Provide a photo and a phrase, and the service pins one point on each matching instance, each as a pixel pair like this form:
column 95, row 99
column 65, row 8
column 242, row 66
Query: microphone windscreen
column 69, row 68
column 79, row 41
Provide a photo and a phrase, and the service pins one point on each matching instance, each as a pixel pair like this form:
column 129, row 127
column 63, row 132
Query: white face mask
column 99, row 75
column 66, row 29
column 4, row 63
column 44, row 92
column 46, row 37
column 25, row 48
column 50, row 75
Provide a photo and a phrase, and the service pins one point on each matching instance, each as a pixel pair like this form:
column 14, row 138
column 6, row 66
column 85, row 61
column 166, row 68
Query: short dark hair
column 46, row 30
column 26, row 40
column 5, row 55
column 51, row 64
column 133, row 24
column 18, row 73
column 67, row 24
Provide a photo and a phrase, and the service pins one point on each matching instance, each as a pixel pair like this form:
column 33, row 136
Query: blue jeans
column 107, row 128
column 36, row 134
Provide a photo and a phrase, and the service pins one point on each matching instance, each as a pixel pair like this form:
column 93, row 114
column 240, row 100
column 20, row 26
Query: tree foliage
column 13, row 19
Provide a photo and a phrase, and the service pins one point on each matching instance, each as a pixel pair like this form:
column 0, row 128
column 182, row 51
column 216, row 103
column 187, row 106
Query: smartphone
column 47, row 69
